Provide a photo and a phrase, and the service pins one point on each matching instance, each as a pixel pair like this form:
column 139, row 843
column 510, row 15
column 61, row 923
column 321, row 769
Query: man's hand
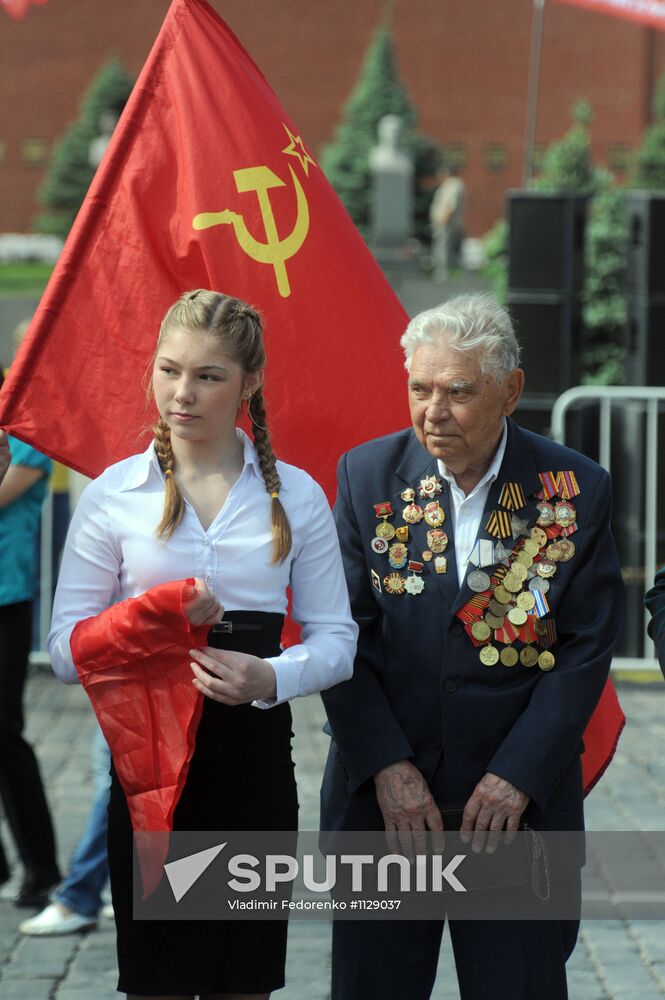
column 407, row 806
column 493, row 804
column 201, row 607
column 232, row 678
column 5, row 454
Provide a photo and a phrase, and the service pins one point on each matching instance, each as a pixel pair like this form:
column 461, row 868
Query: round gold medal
column 546, row 568
column 554, row 551
column 519, row 571
column 509, row 656
column 546, row 660
column 480, row 631
column 502, row 595
column 517, row 616
column 412, row 513
column 434, row 514
column 524, row 559
column 385, row 530
column 532, row 547
column 494, row 621
column 564, row 513
column 526, row 601
column 529, row 656
column 539, row 537
column 489, row 655
column 497, row 608
column 567, row 549
column 511, row 583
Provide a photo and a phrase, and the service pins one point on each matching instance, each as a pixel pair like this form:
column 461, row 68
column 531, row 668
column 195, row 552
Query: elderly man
column 486, row 584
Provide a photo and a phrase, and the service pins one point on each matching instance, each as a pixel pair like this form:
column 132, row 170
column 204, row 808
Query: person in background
column 447, row 222
column 655, row 603
column 22, row 494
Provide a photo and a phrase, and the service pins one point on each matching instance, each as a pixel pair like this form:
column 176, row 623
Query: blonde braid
column 174, row 505
column 281, row 529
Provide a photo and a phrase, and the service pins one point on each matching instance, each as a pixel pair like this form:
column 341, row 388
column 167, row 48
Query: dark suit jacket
column 419, row 690
column 655, row 602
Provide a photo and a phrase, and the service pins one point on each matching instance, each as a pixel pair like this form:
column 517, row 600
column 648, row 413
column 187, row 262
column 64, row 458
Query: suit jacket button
column 457, row 628
column 450, row 686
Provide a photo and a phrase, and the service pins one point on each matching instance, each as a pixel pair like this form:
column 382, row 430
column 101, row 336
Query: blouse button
column 206, row 542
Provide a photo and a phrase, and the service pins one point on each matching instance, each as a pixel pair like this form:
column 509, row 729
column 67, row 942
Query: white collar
column 147, row 463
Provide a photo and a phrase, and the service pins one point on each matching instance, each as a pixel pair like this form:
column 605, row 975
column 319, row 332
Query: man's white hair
column 463, row 324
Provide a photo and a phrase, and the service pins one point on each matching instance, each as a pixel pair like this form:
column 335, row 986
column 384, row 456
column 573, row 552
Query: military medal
column 412, row 513
column 539, row 584
column 502, row 554
column 498, row 524
column 546, row 661
column 539, row 537
column 511, row 584
column 440, row 564
column 567, row 549
column 402, row 533
column 502, row 595
column 545, row 514
column 384, row 530
column 532, row 547
column 408, row 495
column 429, row 487
column 546, row 568
column 379, row 545
column 397, row 555
column 489, row 655
column 528, row 656
column 376, row 581
column 526, row 601
column 437, row 540
column 482, row 553
column 434, row 514
column 480, row 631
column 414, row 584
column 509, row 656
column 478, row 581
column 394, row 583
column 427, row 555
column 554, row 551
column 494, row 621
column 564, row 514
column 497, row 608
column 517, row 616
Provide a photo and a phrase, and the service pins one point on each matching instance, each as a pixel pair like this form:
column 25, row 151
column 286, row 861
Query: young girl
column 205, row 502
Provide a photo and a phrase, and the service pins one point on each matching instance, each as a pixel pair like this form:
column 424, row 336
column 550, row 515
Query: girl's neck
column 201, row 458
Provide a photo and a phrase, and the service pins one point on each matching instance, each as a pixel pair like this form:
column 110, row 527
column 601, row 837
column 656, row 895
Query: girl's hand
column 200, row 606
column 232, row 678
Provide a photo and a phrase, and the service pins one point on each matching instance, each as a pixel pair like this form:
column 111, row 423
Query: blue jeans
column 88, row 871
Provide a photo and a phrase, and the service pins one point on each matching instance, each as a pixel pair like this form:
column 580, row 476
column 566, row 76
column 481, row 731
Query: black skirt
column 241, row 777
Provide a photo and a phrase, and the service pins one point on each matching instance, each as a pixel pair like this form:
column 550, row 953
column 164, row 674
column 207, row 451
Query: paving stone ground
column 614, row 960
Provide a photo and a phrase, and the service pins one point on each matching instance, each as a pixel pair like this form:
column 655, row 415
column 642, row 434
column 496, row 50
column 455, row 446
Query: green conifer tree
column 70, row 172
column 345, row 161
column 650, row 173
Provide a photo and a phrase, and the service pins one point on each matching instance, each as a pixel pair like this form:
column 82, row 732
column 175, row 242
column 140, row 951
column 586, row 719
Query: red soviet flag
column 18, row 8
column 651, row 12
column 207, row 184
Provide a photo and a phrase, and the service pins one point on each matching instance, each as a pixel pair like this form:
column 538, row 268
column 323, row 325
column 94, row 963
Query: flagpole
column 532, row 92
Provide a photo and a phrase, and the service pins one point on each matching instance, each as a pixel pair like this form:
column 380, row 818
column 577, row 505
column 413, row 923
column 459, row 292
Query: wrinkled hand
column 232, row 678
column 408, row 808
column 493, row 804
column 5, row 454
column 200, row 606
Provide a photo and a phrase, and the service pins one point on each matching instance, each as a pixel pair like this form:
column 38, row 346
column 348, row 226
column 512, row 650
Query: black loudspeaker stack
column 545, row 280
column 646, row 289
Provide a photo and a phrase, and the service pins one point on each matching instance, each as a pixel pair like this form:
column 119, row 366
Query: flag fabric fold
column 133, row 662
column 17, row 9
column 649, row 12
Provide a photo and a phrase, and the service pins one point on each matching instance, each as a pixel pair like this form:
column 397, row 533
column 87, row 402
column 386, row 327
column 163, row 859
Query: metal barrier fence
column 628, row 425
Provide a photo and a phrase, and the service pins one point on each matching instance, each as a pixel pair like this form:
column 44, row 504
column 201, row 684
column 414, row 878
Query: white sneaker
column 56, row 919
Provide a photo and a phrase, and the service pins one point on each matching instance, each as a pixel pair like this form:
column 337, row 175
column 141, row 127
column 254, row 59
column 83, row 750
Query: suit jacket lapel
column 518, row 466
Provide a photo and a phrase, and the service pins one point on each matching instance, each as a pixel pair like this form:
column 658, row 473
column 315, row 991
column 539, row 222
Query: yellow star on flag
column 296, row 147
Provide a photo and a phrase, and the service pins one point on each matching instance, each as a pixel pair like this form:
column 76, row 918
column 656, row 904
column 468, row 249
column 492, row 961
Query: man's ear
column 513, row 385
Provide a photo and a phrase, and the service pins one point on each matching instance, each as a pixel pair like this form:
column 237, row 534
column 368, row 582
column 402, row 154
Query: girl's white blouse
column 111, row 554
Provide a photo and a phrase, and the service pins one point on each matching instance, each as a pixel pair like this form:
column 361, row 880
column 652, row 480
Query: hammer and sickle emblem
column 274, row 251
